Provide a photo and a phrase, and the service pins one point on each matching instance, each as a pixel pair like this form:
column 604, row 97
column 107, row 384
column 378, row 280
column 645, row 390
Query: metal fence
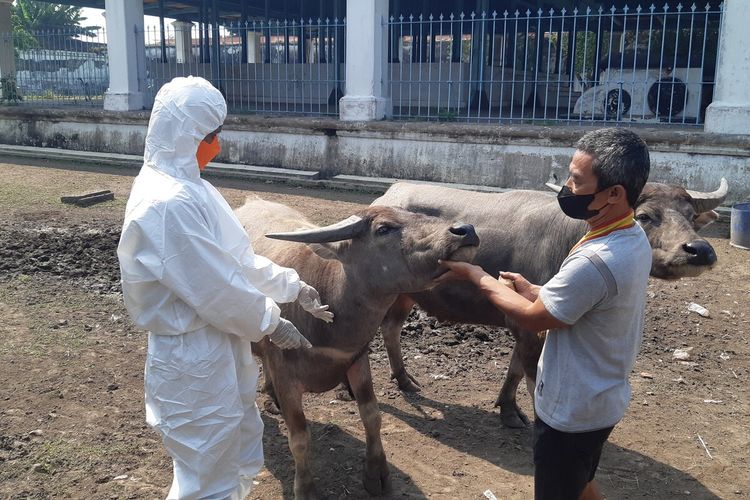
column 556, row 66
column 63, row 66
column 294, row 66
column 634, row 65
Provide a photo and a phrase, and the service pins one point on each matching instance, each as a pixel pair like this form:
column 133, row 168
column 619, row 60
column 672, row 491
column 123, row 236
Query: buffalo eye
column 643, row 218
column 384, row 229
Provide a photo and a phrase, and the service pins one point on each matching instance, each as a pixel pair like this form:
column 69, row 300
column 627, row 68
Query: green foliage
column 9, row 91
column 29, row 18
column 659, row 48
column 447, row 116
column 526, row 48
column 585, row 54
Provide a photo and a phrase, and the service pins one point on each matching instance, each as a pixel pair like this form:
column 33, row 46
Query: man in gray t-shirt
column 600, row 291
column 593, row 308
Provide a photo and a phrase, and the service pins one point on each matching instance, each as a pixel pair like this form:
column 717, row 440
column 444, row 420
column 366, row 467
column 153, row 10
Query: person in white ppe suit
column 190, row 277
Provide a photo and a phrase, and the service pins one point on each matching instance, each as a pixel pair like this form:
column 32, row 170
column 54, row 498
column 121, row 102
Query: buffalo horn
column 343, row 230
column 705, row 202
column 553, row 187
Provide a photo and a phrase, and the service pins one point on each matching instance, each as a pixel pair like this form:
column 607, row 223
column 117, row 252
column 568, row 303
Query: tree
column 30, row 18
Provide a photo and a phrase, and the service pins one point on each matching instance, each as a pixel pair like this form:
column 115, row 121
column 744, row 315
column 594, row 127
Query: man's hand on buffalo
column 521, row 285
column 459, row 271
column 309, row 299
column 286, row 336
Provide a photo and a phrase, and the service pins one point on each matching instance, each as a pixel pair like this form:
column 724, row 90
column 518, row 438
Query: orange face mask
column 207, row 151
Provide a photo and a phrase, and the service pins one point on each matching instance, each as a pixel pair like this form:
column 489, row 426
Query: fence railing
column 62, row 66
column 635, row 65
column 556, row 66
column 294, row 66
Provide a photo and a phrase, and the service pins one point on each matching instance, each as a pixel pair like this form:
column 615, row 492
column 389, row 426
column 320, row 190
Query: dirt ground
column 71, row 375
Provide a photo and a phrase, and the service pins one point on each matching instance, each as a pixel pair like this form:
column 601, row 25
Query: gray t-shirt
column 600, row 290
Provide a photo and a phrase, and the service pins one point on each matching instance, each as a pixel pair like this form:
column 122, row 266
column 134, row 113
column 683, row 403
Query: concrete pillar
column 7, row 56
column 254, row 47
column 125, row 45
column 729, row 113
column 183, row 40
column 366, row 95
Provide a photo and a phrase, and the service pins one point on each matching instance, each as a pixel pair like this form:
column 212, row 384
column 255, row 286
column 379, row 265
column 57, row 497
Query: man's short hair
column 620, row 157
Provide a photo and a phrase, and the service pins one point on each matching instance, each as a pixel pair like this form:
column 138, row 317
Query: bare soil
column 71, row 364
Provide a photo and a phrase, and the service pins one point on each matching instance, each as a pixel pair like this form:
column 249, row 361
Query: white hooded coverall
column 190, row 277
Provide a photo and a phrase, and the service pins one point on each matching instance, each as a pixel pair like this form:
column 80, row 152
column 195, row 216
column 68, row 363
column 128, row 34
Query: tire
column 617, row 103
column 667, row 97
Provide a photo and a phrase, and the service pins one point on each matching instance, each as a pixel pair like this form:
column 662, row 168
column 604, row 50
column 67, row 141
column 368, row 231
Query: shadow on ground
column 623, row 473
column 337, row 459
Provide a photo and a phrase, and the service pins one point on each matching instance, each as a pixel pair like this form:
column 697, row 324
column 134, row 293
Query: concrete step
column 247, row 172
column 308, row 178
column 253, row 172
column 87, row 157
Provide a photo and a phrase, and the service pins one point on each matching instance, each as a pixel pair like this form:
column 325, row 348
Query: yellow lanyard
column 624, row 222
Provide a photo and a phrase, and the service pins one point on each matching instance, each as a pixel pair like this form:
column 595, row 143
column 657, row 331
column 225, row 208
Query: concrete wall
column 502, row 156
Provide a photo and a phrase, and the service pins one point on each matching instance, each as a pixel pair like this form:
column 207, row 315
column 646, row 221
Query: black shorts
column 565, row 461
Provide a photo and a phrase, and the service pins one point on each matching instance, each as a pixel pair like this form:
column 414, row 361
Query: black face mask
column 576, row 205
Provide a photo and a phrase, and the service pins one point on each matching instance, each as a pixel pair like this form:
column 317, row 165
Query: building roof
column 229, row 10
column 235, row 10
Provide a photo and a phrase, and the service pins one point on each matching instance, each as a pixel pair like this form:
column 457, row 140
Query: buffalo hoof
column 344, row 392
column 270, row 407
column 377, row 480
column 407, row 383
column 309, row 494
column 304, row 487
column 511, row 416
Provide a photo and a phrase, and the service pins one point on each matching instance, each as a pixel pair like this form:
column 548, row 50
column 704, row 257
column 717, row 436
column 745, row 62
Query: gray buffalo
column 526, row 232
column 359, row 266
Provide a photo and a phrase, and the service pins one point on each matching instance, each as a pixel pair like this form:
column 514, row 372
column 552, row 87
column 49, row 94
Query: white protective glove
column 286, row 336
column 309, row 299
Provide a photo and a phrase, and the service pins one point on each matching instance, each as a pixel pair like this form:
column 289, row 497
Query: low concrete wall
column 490, row 155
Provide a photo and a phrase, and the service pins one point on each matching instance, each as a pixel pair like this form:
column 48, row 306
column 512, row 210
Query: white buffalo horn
column 343, row 230
column 705, row 202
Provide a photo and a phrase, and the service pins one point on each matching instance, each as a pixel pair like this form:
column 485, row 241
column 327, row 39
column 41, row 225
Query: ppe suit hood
column 185, row 111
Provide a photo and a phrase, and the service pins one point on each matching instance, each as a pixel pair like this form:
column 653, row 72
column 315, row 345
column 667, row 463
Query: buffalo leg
column 391, row 329
column 376, row 475
column 531, row 350
column 299, row 442
column 523, row 362
column 510, row 414
column 270, row 405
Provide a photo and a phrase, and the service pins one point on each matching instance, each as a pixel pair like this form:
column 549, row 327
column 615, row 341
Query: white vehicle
column 643, row 94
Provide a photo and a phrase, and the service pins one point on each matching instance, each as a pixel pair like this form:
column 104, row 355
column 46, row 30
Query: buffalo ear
column 704, row 219
column 328, row 251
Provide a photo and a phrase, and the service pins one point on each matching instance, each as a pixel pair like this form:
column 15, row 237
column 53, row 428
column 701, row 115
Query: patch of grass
column 16, row 195
column 19, row 197
column 59, row 456
column 25, row 189
column 447, row 116
column 42, row 309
